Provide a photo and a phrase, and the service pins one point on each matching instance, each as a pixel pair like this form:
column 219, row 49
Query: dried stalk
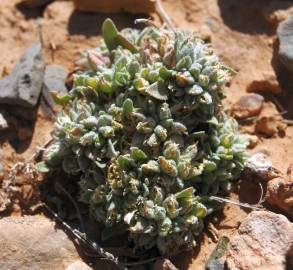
column 244, row 205
column 164, row 15
column 81, row 237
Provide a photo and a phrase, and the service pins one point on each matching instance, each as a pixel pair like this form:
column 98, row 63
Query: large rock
column 24, row 84
column 285, row 35
column 264, row 242
column 34, row 243
column 280, row 194
column 54, row 80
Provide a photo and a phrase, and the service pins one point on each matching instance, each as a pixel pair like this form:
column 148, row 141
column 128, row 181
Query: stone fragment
column 264, row 242
column 265, row 82
column 269, row 126
column 216, row 265
column 34, row 242
column 285, row 35
column 3, row 123
column 280, row 194
column 78, row 265
column 253, row 141
column 247, row 106
column 54, row 80
column 164, row 264
column 23, row 86
column 259, row 165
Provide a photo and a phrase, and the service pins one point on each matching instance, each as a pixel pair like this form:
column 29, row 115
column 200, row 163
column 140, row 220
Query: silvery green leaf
column 127, row 106
column 161, row 132
column 194, row 90
column 42, row 167
column 137, row 154
column 152, row 167
column 153, row 140
column 165, row 227
column 157, row 90
column 195, row 70
column 129, row 216
column 172, row 206
column 110, row 33
column 168, row 166
column 70, row 165
column 171, row 150
column 164, row 111
column 107, row 131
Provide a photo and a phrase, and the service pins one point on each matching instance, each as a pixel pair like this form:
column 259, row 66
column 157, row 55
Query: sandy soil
column 239, row 32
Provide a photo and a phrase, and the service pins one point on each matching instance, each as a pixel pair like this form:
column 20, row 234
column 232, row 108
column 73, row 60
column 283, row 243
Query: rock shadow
column 30, row 12
column 245, row 16
column 21, row 127
column 89, row 24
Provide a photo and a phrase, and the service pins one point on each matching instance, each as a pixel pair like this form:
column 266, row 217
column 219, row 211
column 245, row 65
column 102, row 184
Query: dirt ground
column 239, row 33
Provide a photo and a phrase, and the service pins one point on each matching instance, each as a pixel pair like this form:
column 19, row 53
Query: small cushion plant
column 145, row 131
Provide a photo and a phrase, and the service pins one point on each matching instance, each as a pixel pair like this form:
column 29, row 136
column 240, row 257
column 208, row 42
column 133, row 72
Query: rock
column 269, row 126
column 247, row 106
column 259, row 165
column 253, row 141
column 265, row 82
column 277, row 11
column 263, row 242
column 24, row 133
column 36, row 3
column 3, row 123
column 215, row 260
column 54, row 80
column 164, row 264
column 78, row 265
column 34, row 243
column 285, row 35
column 23, row 86
column 280, row 194
column 216, row 265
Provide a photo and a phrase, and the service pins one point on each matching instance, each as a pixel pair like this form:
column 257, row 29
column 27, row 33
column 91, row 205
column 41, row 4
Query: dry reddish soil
column 240, row 34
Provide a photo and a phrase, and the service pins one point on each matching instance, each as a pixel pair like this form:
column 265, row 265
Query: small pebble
column 260, row 166
column 253, row 141
column 247, row 106
column 265, row 82
column 267, row 125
